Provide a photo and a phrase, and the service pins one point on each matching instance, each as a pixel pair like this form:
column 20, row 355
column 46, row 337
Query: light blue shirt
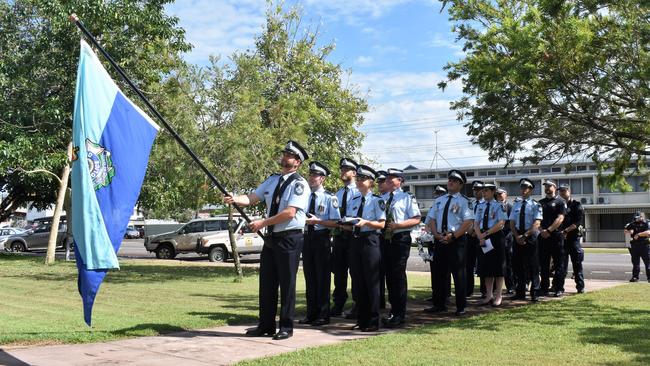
column 352, row 192
column 497, row 213
column 326, row 207
column 295, row 195
column 460, row 210
column 532, row 213
column 374, row 209
column 404, row 206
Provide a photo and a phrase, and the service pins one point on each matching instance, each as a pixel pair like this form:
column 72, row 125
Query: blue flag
column 112, row 139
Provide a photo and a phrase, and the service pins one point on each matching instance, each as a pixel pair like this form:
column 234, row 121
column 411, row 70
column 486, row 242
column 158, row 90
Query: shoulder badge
column 299, row 189
column 382, row 204
column 335, row 201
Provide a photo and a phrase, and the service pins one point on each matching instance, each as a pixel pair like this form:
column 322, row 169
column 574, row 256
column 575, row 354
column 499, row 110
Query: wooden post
column 60, row 198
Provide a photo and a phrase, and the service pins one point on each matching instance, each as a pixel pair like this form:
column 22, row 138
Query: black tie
column 522, row 217
column 344, row 204
column 485, row 217
column 312, row 210
column 390, row 200
column 445, row 214
column 357, row 229
column 275, row 202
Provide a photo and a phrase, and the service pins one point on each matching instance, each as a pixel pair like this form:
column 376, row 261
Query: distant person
column 551, row 241
column 510, row 281
column 383, row 189
column 639, row 245
column 572, row 234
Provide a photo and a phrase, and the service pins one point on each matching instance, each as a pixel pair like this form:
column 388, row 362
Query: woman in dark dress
column 488, row 224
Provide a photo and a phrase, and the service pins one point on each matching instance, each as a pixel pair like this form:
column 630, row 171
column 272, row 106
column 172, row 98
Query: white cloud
column 353, row 12
column 219, row 27
column 438, row 40
column 394, row 84
column 364, row 60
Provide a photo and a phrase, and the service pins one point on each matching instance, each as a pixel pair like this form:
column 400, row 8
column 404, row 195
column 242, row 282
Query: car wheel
column 17, row 247
column 165, row 251
column 217, row 254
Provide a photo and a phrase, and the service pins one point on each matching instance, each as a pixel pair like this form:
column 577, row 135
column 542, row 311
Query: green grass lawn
column 606, row 250
column 40, row 304
column 608, row 327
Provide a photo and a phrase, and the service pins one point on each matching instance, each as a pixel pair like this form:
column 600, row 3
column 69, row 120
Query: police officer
column 551, row 240
column 525, row 219
column 286, row 195
column 348, row 173
column 639, row 245
column 572, row 234
column 450, row 221
column 472, row 241
column 488, row 225
column 437, row 192
column 382, row 188
column 502, row 196
column 322, row 214
column 402, row 215
column 364, row 253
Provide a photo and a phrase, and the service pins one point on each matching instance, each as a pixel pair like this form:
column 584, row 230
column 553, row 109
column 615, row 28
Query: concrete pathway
column 225, row 345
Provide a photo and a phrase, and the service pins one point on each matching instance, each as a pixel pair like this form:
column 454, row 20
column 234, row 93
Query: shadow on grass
column 129, row 272
column 625, row 328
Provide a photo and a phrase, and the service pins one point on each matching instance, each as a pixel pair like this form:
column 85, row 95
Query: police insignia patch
column 382, row 205
column 100, row 164
column 299, row 189
column 335, row 202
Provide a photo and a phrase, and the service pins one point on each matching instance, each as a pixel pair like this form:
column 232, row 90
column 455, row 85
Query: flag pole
column 74, row 19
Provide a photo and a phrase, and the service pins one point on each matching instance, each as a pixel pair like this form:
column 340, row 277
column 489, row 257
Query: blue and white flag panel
column 112, row 139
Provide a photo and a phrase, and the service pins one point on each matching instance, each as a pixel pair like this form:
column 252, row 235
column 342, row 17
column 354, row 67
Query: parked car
column 37, row 238
column 184, row 240
column 131, row 233
column 218, row 248
column 6, row 232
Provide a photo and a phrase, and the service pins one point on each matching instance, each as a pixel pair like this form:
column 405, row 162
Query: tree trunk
column 67, row 204
column 60, row 199
column 233, row 245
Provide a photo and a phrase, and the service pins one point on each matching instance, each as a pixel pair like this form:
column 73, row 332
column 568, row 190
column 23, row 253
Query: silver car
column 184, row 240
column 6, row 232
column 37, row 238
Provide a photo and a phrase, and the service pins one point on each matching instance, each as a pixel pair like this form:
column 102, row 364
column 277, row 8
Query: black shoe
column 634, row 279
column 336, row 312
column 435, row 309
column 305, row 321
column 283, row 334
column 460, row 312
column 509, row 292
column 534, row 299
column 352, row 314
column 394, row 322
column 559, row 293
column 319, row 322
column 371, row 328
column 429, row 299
column 517, row 297
column 581, row 291
column 258, row 332
column 543, row 293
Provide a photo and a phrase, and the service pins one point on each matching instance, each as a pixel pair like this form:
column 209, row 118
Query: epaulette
column 464, row 196
column 354, row 198
column 274, row 174
column 409, row 193
column 376, row 195
column 328, row 192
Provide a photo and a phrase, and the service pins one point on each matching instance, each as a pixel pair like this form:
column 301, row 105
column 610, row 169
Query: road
column 597, row 266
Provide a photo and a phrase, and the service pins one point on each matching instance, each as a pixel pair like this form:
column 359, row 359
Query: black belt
column 365, row 234
column 319, row 232
column 401, row 233
column 285, row 233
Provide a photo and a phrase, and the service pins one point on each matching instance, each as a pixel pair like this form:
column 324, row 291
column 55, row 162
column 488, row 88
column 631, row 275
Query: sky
column 395, row 51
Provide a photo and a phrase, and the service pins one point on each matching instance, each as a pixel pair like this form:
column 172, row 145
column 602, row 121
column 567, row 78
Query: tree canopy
column 247, row 108
column 39, row 51
column 553, row 79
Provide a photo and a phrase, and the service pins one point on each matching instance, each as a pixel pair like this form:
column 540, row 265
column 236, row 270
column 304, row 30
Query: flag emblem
column 100, row 164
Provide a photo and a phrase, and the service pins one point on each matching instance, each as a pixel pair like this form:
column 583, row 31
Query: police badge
column 100, row 164
column 299, row 189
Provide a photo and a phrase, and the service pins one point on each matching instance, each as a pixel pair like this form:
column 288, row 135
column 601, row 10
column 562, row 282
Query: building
column 606, row 212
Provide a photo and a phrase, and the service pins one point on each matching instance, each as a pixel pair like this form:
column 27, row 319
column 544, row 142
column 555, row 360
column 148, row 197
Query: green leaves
column 546, row 79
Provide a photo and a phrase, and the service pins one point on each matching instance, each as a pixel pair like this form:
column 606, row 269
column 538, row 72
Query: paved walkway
column 223, row 345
